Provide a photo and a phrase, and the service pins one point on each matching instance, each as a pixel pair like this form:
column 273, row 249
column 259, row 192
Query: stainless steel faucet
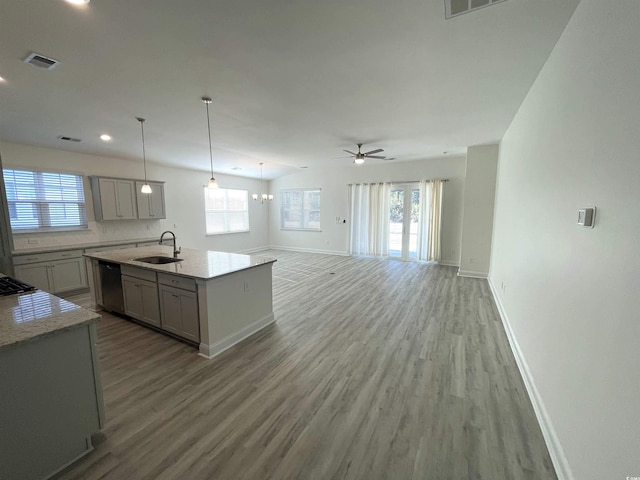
column 175, row 243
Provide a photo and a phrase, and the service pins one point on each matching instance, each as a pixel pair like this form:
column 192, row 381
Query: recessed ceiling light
column 77, row 2
column 105, row 138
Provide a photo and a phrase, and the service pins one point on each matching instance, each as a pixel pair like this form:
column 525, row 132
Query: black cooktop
column 10, row 286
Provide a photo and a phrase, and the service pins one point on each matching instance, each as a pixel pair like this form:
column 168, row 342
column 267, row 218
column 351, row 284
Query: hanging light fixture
column 146, row 188
column 263, row 196
column 212, row 181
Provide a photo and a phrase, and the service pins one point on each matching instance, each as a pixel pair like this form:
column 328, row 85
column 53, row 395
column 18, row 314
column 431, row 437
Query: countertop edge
column 50, row 333
column 103, row 256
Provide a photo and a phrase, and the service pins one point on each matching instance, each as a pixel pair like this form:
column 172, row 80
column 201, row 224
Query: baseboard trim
column 560, row 463
column 310, row 250
column 472, row 274
column 449, row 263
column 252, row 250
column 211, row 351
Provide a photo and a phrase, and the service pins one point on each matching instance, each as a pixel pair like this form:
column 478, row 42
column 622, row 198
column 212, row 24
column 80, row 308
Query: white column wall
column 477, row 222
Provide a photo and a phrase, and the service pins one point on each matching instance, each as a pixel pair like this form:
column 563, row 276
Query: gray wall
column 571, row 293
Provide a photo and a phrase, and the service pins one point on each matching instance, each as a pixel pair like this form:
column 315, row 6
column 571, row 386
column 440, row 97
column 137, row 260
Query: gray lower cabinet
column 179, row 312
column 51, row 402
column 56, row 273
column 141, row 300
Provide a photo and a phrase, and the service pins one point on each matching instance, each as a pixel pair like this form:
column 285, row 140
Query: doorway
column 404, row 221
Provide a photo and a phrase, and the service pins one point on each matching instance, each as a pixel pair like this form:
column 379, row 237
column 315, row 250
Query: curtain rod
column 398, row 182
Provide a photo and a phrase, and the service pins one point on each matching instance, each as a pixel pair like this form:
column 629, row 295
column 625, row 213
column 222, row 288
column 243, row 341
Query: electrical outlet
column 246, row 285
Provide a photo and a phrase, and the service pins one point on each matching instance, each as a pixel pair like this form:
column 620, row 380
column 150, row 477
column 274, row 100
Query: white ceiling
column 293, row 82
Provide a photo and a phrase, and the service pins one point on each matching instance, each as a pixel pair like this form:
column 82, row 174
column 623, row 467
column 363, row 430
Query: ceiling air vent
column 454, row 8
column 68, row 139
column 41, row 61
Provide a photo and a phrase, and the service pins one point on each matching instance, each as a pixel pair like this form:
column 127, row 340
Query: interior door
column 404, row 217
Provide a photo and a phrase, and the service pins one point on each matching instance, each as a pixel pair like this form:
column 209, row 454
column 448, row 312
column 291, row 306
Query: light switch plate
column 587, row 217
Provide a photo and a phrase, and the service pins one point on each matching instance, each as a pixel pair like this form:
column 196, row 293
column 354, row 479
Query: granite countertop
column 81, row 246
column 202, row 264
column 27, row 316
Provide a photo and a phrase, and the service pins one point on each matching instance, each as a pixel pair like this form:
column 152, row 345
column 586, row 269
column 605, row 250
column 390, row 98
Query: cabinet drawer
column 46, row 257
column 177, row 282
column 140, row 273
column 109, row 248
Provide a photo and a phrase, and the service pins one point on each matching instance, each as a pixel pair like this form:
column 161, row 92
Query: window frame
column 302, row 210
column 226, row 211
column 41, row 203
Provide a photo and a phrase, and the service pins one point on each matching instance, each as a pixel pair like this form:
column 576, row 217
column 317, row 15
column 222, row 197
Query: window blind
column 226, row 210
column 44, row 201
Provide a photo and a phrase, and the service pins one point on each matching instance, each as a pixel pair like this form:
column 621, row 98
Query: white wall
column 334, row 201
column 477, row 222
column 571, row 296
column 183, row 196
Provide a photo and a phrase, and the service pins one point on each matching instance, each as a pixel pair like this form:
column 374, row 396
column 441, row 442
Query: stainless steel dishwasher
column 112, row 299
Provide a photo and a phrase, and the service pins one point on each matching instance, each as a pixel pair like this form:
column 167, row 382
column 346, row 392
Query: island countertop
column 28, row 316
column 202, row 264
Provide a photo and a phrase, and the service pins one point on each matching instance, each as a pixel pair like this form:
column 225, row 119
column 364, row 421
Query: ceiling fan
column 359, row 157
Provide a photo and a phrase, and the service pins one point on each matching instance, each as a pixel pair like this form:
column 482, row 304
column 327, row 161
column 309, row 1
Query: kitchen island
column 51, row 401
column 211, row 299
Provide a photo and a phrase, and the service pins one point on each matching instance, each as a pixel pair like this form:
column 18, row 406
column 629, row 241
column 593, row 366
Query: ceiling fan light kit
column 360, row 157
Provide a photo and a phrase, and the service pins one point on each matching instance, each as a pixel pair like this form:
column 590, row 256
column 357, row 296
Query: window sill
column 301, row 229
column 226, row 233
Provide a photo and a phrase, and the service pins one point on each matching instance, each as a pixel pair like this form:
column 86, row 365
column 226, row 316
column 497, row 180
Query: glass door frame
column 405, row 252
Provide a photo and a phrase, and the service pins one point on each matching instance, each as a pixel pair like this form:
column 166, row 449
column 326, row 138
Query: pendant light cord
column 144, row 154
column 209, row 127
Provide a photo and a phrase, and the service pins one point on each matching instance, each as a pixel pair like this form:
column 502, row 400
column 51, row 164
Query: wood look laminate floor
column 375, row 369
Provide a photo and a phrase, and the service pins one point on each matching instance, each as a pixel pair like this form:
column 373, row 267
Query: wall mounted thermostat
column 586, row 217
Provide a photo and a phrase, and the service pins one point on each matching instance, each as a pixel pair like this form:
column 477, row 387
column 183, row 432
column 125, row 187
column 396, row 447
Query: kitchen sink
column 158, row 260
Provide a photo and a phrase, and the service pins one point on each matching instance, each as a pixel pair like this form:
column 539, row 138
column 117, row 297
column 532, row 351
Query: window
column 44, row 201
column 226, row 210
column 301, row 209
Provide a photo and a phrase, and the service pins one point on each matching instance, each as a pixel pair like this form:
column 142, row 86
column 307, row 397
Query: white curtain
column 430, row 219
column 369, row 210
column 434, row 194
column 423, row 221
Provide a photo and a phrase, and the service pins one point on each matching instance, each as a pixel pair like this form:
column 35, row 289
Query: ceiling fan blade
column 375, row 156
column 374, row 151
column 337, row 158
column 350, row 153
column 387, row 159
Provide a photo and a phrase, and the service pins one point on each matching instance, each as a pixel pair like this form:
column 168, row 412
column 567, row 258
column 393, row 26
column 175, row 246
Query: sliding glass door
column 404, row 217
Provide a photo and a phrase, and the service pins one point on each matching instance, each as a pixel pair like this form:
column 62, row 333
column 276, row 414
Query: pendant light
column 263, row 196
column 212, row 181
column 146, row 188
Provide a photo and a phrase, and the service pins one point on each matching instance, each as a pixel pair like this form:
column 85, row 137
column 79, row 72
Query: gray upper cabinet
column 114, row 198
column 151, row 205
